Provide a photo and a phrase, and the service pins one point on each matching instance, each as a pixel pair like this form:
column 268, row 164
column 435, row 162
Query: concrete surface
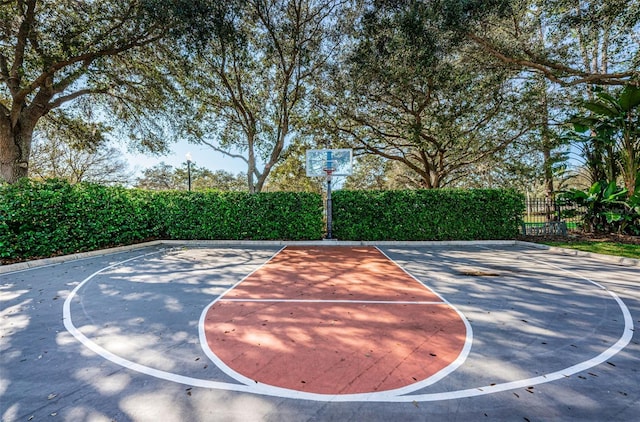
column 115, row 337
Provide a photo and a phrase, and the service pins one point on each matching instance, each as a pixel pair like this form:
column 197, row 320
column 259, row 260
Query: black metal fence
column 544, row 216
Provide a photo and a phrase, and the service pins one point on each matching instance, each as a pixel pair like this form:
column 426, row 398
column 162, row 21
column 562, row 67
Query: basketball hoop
column 338, row 162
column 329, row 163
column 329, row 172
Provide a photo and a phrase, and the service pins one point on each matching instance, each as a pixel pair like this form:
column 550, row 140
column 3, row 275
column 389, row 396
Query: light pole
column 188, row 156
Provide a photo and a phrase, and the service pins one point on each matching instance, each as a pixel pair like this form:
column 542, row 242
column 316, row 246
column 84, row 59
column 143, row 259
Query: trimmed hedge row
column 47, row 218
column 53, row 217
column 438, row 214
column 239, row 215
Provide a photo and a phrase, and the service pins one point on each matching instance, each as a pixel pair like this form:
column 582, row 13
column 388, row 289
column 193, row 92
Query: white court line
column 251, row 387
column 196, row 382
column 468, row 341
column 623, row 341
column 84, row 258
column 382, row 302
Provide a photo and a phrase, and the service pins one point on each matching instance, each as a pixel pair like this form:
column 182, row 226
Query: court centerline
column 382, row 302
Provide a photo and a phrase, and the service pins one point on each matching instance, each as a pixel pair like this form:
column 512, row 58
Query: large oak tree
column 250, row 84
column 587, row 42
column 54, row 52
column 410, row 93
column 560, row 47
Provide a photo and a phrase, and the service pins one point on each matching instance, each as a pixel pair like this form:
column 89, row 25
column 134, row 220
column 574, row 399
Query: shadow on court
column 533, row 314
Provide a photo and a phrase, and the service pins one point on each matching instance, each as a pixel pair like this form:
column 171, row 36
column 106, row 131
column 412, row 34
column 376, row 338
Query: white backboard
column 337, row 162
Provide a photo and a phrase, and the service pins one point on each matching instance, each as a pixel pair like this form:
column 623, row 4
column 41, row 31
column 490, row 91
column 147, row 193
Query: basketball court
column 206, row 331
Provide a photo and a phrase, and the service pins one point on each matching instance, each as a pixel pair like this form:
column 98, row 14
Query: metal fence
column 544, row 216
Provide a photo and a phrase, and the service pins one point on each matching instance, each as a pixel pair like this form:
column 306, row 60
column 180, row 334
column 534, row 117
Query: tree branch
column 227, row 153
column 4, row 68
column 14, row 77
column 69, row 97
column 71, row 78
column 86, row 57
column 555, row 72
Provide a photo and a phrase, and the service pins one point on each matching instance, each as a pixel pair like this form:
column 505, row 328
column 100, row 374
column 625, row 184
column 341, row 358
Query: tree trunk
column 15, row 148
column 251, row 168
column 547, row 164
column 630, row 168
column 547, row 147
column 275, row 155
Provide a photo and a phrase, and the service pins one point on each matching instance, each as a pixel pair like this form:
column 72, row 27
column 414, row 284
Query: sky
column 202, row 156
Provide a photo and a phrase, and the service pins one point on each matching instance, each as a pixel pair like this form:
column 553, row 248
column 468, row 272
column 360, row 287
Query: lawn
column 571, row 225
column 607, row 248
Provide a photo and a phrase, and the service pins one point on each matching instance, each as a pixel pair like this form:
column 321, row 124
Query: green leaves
column 610, row 135
column 438, row 214
column 607, row 207
column 39, row 219
column 601, row 109
column 241, row 216
column 55, row 217
column 629, row 98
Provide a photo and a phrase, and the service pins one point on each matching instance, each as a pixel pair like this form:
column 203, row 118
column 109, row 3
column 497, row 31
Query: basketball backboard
column 334, row 162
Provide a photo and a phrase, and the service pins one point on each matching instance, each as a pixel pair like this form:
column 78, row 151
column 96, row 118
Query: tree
column 290, row 174
column 409, row 94
column 555, row 46
column 77, row 152
column 370, row 172
column 565, row 48
column 165, row 177
column 202, row 179
column 251, row 82
column 160, row 177
column 611, row 136
column 55, row 52
column 586, row 42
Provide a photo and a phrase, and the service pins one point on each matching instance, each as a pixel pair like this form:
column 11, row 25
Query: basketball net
column 328, row 171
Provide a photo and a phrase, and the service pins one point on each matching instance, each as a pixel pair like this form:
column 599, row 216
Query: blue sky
column 202, row 156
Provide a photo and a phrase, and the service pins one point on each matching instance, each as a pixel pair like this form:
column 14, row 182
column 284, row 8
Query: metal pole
column 329, row 222
column 189, row 173
column 329, row 170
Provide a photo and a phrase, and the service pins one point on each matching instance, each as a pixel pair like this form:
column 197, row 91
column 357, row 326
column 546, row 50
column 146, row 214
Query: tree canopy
column 165, row 177
column 54, row 53
column 250, row 84
column 439, row 93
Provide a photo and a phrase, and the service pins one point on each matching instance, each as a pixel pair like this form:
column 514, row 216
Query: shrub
column 442, row 214
column 53, row 217
column 608, row 208
column 240, row 215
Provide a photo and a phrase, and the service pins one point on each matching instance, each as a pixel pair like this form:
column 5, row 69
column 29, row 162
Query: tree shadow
column 536, row 314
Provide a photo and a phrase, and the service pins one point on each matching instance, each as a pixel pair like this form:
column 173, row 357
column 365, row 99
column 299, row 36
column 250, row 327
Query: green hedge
column 53, row 217
column 240, row 216
column 438, row 214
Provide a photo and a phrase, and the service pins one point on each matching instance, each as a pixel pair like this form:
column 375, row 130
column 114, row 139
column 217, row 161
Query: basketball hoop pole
column 329, row 169
column 329, row 210
column 328, row 163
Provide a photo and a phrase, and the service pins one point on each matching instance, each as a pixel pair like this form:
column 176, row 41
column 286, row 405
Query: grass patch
column 571, row 225
column 607, row 248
